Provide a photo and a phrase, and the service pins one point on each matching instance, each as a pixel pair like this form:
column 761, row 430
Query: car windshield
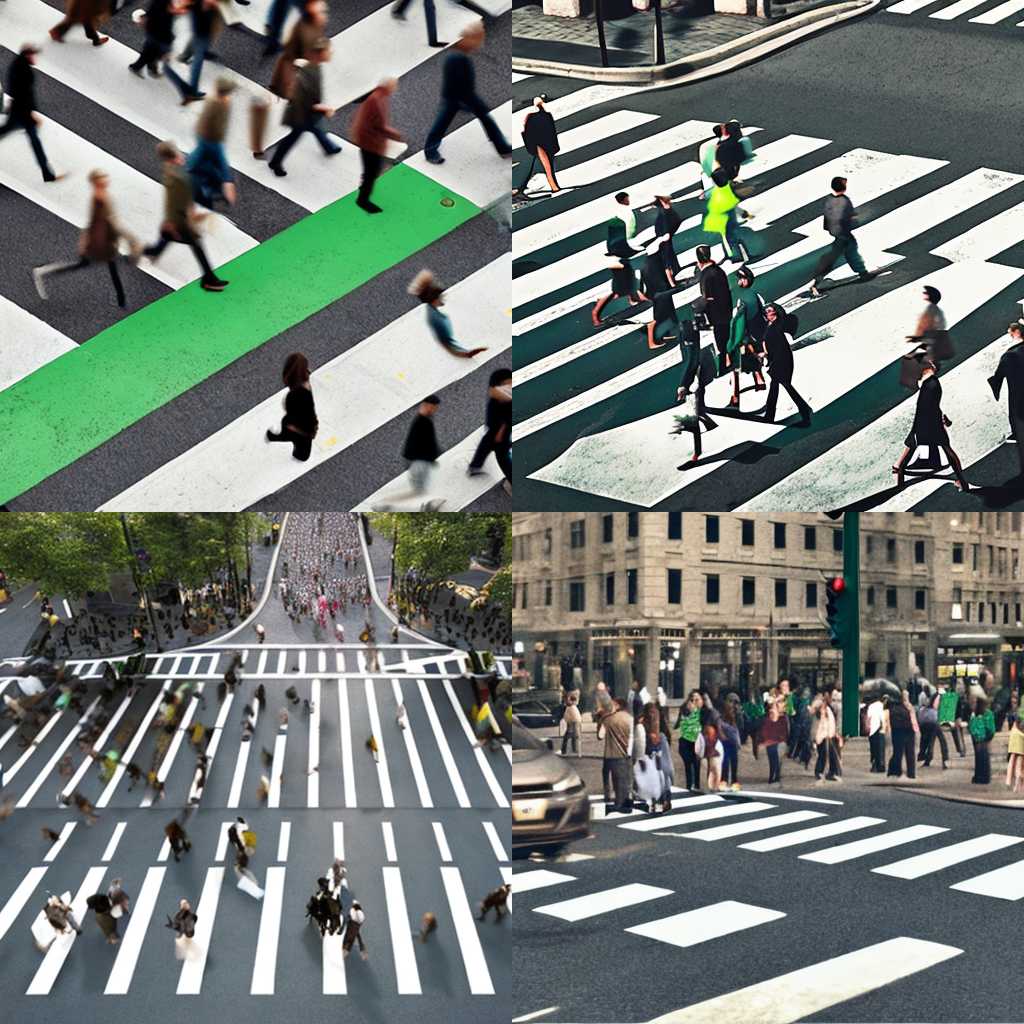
column 521, row 738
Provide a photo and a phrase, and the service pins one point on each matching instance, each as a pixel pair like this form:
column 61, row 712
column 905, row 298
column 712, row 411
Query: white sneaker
column 40, row 279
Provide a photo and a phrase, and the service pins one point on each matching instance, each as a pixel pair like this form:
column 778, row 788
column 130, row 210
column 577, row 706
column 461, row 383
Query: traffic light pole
column 851, row 646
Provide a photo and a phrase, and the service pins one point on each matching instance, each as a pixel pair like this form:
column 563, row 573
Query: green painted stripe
column 82, row 399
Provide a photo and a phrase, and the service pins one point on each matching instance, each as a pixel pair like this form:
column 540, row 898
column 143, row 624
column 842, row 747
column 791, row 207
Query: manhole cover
column 447, row 202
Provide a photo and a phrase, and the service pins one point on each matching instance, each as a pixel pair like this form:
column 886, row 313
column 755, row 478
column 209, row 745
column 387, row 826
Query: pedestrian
column 401, row 718
column 235, row 830
column 928, row 721
column 159, row 25
column 49, row 835
column 207, row 164
column 717, row 299
column 178, row 838
column 540, row 136
column 1011, row 371
column 261, row 697
column 929, row 427
column 101, row 906
column 338, row 872
column 262, row 789
column 707, row 156
column 428, row 925
column 624, row 285
column 371, row 131
column 207, row 23
column 421, row 452
column 247, row 881
column 119, row 900
column 371, row 745
column 982, row 728
column 723, row 216
column 299, row 424
column 733, row 150
column 498, row 435
column 840, row 219
column 618, row 753
column 85, row 13
column 1015, row 756
column 60, row 916
column 708, row 747
column 572, row 719
column 778, row 347
column 496, row 900
column 774, row 731
column 83, row 805
column 901, row 725
column 22, row 111
column 458, row 92
column 746, row 334
column 184, row 924
column 398, row 12
column 825, row 738
column 876, row 728
column 427, row 289
column 306, row 109
column 354, row 921
column 687, row 724
column 730, row 735
column 339, row 632
column 699, row 369
column 277, row 14
column 181, row 219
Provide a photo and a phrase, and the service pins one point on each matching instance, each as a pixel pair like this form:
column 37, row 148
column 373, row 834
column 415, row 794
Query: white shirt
column 627, row 216
column 875, row 715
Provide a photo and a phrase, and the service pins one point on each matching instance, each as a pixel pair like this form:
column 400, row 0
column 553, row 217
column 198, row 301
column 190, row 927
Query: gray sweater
column 839, row 216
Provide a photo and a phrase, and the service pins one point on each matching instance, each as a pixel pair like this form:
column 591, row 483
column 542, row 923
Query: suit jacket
column 714, row 285
column 780, row 355
column 305, row 95
column 21, row 88
column 1011, row 370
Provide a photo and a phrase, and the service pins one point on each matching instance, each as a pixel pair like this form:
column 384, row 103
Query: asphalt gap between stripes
column 78, row 401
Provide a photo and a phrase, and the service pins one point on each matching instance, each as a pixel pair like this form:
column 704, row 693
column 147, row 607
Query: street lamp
column 133, row 562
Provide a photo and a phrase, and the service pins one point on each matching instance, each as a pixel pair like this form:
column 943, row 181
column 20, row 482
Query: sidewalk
column 953, row 783
column 547, row 44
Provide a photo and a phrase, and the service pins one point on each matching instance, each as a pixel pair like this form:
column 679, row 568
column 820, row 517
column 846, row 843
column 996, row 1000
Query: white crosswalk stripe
column 693, row 927
column 945, row 856
column 580, row 907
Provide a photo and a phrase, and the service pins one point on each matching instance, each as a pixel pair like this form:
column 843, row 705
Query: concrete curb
column 1013, row 805
column 727, row 57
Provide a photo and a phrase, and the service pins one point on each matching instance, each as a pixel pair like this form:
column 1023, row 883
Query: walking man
column 498, row 438
column 398, row 13
column 458, row 92
column 85, row 13
column 212, row 177
column 371, row 132
column 1011, row 370
column 178, row 838
column 21, row 91
column 840, row 220
column 496, row 899
column 159, row 25
column 714, row 289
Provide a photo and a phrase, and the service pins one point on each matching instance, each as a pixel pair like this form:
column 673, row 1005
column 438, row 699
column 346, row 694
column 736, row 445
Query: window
column 609, row 589
column 608, row 528
column 869, row 546
column 781, row 596
column 711, row 589
column 890, row 669
column 956, row 611
column 837, row 540
column 1002, row 563
column 631, row 586
column 515, row 594
column 747, row 532
column 919, row 600
column 981, row 611
column 1006, row 614
column 890, row 549
column 675, row 586
column 870, row 597
column 870, row 669
column 975, row 548
column 891, row 598
column 992, row 605
column 577, row 534
column 810, row 538
column 547, row 593
column 547, row 541
column 919, row 552
column 675, row 526
column 1018, row 613
column 633, row 525
column 577, row 596
column 748, row 590
column 958, row 554
column 526, row 587
column 780, row 534
column 711, row 529
column 811, row 595
column 991, row 560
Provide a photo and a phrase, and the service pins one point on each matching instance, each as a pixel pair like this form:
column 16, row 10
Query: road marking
column 261, row 666
column 43, row 774
column 283, row 839
column 495, row 840
column 383, row 776
column 244, row 747
column 195, row 793
column 1005, row 883
column 466, row 934
column 742, row 828
column 190, row 981
column 282, row 661
column 32, row 747
column 390, row 850
column 44, row 978
column 86, row 761
column 810, row 835
column 58, row 844
column 312, row 771
column 265, row 963
column 175, row 744
column 696, row 926
column 321, row 661
column 348, row 764
column 954, row 10
column 442, row 745
column 133, row 744
column 115, row 839
column 222, row 840
column 581, row 907
column 873, row 844
column 442, row 841
column 335, row 983
column 908, row 6
column 661, row 822
column 407, row 975
column 485, row 769
column 540, row 878
column 16, row 901
column 339, row 661
column 302, row 663
column 338, row 832
column 412, row 750
column 944, row 857
column 120, row 978
column 799, row 994
column 277, row 770
column 793, row 796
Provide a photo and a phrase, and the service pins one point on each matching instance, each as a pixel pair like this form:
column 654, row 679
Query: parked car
column 550, row 805
column 535, row 714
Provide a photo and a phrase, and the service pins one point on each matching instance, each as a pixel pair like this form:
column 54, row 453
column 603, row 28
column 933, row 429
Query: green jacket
column 689, row 726
column 721, row 201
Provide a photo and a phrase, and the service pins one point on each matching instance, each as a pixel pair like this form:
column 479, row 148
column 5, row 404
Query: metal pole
column 599, row 16
column 851, row 647
column 659, row 35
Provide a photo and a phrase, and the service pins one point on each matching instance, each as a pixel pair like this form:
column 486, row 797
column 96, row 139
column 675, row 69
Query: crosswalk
column 590, row 400
column 392, row 867
column 978, row 12
column 434, row 761
column 368, row 380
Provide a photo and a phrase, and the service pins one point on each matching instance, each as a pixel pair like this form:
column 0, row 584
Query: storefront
column 733, row 661
column 963, row 659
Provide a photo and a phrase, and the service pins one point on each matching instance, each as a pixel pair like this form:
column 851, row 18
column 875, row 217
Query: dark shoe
column 437, row 45
column 333, row 151
column 277, row 169
column 213, row 285
column 56, row 36
column 398, row 15
column 434, row 158
column 806, row 422
column 154, row 71
column 100, row 40
column 868, row 275
column 271, row 48
column 365, row 204
column 192, row 97
column 137, row 72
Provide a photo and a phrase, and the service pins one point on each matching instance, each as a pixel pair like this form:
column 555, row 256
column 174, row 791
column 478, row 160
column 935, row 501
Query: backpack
column 99, row 903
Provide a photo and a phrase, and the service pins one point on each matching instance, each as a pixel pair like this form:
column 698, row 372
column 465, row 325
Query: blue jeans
column 428, row 10
column 200, row 48
column 445, row 116
column 209, row 168
column 842, row 247
column 316, row 127
column 276, row 17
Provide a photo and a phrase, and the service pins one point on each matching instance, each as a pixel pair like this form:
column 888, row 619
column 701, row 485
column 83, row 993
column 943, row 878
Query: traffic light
column 836, row 599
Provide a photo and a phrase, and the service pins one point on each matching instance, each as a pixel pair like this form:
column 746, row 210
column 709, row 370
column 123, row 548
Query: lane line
column 458, row 787
column 277, row 770
column 133, row 744
column 348, row 762
column 485, row 768
column 41, row 777
column 540, row 878
column 693, row 927
column 407, row 977
column 580, row 908
column 946, row 856
column 339, row 839
column 244, row 746
column 495, row 840
column 283, row 839
column 265, row 964
column 742, row 828
column 419, row 775
column 190, row 981
column 810, row 835
column 862, row 847
column 130, row 946
column 667, row 821
column 16, row 901
column 390, row 850
column 466, row 934
column 313, row 769
column 1005, row 883
column 442, row 841
column 111, row 848
column 383, row 776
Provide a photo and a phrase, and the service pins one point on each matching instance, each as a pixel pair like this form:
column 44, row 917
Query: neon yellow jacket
column 720, row 202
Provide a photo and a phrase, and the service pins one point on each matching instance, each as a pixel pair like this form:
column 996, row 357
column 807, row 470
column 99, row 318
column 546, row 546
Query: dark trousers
column 571, row 736
column 842, row 247
column 730, row 762
column 958, row 739
column 691, row 764
column 302, row 446
column 88, row 25
column 929, row 734
column 315, row 127
column 186, row 237
column 876, row 743
column 476, row 106
column 29, row 127
column 827, row 750
column 428, row 10
column 721, row 332
column 774, row 768
column 902, row 749
column 372, row 163
column 80, row 264
column 622, row 775
column 773, row 399
column 502, row 452
column 982, row 764
column 276, row 17
column 606, row 778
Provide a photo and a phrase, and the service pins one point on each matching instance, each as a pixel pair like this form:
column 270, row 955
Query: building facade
column 734, row 601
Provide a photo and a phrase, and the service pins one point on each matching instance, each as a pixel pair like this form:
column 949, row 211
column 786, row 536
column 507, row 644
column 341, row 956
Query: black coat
column 928, row 427
column 730, row 155
column 698, row 364
column 1011, row 370
column 539, row 130
column 21, row 88
column 714, row 285
column 421, row 444
column 299, row 410
column 780, row 355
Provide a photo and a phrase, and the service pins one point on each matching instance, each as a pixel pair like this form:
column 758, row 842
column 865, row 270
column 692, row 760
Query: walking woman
column 664, row 326
column 98, row 242
column 431, row 294
column 1015, row 764
column 930, row 333
column 929, row 427
column 666, row 224
column 573, row 722
column 299, row 425
column 184, row 924
column 774, row 730
column 541, row 140
column 746, row 334
column 730, row 734
column 982, row 728
column 825, row 737
column 902, row 720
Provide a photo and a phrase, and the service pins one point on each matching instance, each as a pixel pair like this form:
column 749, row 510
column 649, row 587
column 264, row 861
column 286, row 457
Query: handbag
column 910, row 372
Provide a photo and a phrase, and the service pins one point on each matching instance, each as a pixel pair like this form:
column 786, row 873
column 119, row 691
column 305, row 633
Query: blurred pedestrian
column 101, row 906
column 496, row 900
column 184, row 924
column 178, row 839
column 398, row 12
column 401, row 719
column 261, row 633
column 22, row 114
column 371, row 746
column 774, row 731
column 428, row 925
column 371, row 131
column 982, row 728
column 421, row 452
column 572, row 719
column 119, row 900
column 85, row 13
column 540, row 136
column 299, row 425
column 498, row 435
column 60, row 916
column 354, row 921
column 426, row 288
column 212, row 177
column 159, row 25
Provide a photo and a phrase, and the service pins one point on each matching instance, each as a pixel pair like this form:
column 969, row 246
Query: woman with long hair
column 299, row 425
